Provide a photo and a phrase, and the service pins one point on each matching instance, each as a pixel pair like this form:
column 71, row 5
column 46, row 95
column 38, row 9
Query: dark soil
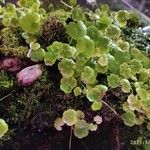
column 31, row 112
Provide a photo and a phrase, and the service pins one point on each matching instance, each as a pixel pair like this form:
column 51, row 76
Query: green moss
column 61, row 14
column 12, row 43
column 24, row 102
column 52, row 30
column 6, row 82
column 9, row 37
column 20, row 52
column 138, row 38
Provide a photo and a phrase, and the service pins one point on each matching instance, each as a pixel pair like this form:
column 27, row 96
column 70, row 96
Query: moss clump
column 138, row 38
column 12, row 43
column 53, row 28
column 61, row 14
column 6, row 82
column 19, row 52
column 24, row 102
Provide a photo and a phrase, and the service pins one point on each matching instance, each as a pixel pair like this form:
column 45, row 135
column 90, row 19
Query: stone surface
column 29, row 75
column 10, row 64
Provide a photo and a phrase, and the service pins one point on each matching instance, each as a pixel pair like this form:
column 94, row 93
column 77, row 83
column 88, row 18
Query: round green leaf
column 50, row 58
column 113, row 64
column 125, row 70
column 124, row 46
column 73, row 2
column 66, row 67
column 3, row 127
column 66, row 51
column 86, row 46
column 34, row 46
column 93, row 32
column 136, row 66
column 121, row 17
column 30, row 23
column 129, row 118
column 104, row 8
column 104, row 22
column 143, row 94
column 88, row 75
column 103, row 43
column 81, row 129
column 126, row 87
column 93, row 127
column 67, row 84
column 93, row 94
column 103, row 60
column 80, row 114
column 36, row 55
column 77, row 91
column 69, row 117
column 96, row 105
column 76, row 30
column 102, row 88
column 101, row 69
column 78, row 14
column 113, row 80
column 113, row 31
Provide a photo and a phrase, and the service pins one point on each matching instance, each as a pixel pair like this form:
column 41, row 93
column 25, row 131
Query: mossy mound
column 6, row 81
column 12, row 43
column 138, row 38
column 53, row 29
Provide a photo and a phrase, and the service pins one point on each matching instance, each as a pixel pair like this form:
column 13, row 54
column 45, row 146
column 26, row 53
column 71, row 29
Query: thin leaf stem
column 110, row 107
column 66, row 4
column 5, row 96
column 70, row 138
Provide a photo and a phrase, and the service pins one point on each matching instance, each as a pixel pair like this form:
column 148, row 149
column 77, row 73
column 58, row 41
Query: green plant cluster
column 18, row 23
column 96, row 47
column 19, row 105
column 13, row 43
column 6, row 82
column 75, row 119
column 27, row 23
column 100, row 49
column 28, row 16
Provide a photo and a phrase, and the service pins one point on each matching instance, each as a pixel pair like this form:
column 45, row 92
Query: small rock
column 98, row 119
column 10, row 64
column 29, row 74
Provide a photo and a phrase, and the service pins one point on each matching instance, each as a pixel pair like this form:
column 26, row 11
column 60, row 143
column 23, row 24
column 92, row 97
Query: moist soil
column 36, row 108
